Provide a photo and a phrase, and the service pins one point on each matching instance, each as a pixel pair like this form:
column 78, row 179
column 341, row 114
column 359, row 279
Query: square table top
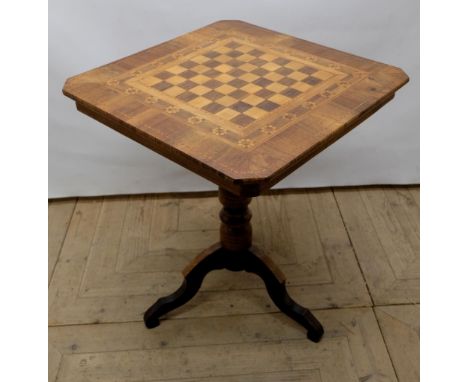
column 238, row 104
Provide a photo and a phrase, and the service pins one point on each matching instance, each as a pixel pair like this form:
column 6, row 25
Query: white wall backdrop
column 87, row 158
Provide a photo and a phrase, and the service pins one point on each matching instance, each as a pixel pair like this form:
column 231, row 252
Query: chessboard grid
column 334, row 79
column 237, row 82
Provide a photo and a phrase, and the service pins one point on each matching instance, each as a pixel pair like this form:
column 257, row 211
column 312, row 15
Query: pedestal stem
column 236, row 230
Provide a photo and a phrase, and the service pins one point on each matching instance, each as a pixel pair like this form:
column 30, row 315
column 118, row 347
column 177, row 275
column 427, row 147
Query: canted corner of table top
column 240, row 105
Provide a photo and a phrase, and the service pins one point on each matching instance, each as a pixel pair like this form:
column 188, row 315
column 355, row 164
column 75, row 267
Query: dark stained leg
column 234, row 252
column 275, row 283
column 194, row 273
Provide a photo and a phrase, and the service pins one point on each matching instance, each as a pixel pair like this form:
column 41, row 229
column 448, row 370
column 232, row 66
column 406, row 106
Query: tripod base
column 218, row 257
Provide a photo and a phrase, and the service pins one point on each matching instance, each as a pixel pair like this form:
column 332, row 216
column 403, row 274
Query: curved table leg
column 275, row 283
column 208, row 260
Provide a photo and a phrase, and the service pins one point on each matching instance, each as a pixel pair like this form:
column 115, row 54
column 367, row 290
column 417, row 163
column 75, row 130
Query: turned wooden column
column 236, row 230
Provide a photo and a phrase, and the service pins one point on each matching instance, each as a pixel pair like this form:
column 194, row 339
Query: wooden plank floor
column 351, row 255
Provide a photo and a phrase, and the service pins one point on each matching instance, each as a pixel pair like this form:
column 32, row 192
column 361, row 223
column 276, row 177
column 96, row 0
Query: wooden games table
column 243, row 107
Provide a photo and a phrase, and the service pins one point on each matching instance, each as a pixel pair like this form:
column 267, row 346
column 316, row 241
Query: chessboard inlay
column 235, row 81
column 244, row 91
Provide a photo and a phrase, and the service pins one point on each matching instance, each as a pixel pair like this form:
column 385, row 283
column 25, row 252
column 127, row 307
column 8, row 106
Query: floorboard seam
column 63, row 241
column 385, row 343
column 209, row 317
column 352, row 246
column 397, row 304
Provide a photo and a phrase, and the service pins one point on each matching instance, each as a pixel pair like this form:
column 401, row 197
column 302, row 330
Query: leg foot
column 315, row 335
column 151, row 321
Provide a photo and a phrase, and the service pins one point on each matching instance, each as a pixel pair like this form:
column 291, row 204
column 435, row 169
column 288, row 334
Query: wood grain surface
column 237, row 348
column 121, row 252
column 115, row 254
column 60, row 213
column 238, row 104
column 383, row 225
